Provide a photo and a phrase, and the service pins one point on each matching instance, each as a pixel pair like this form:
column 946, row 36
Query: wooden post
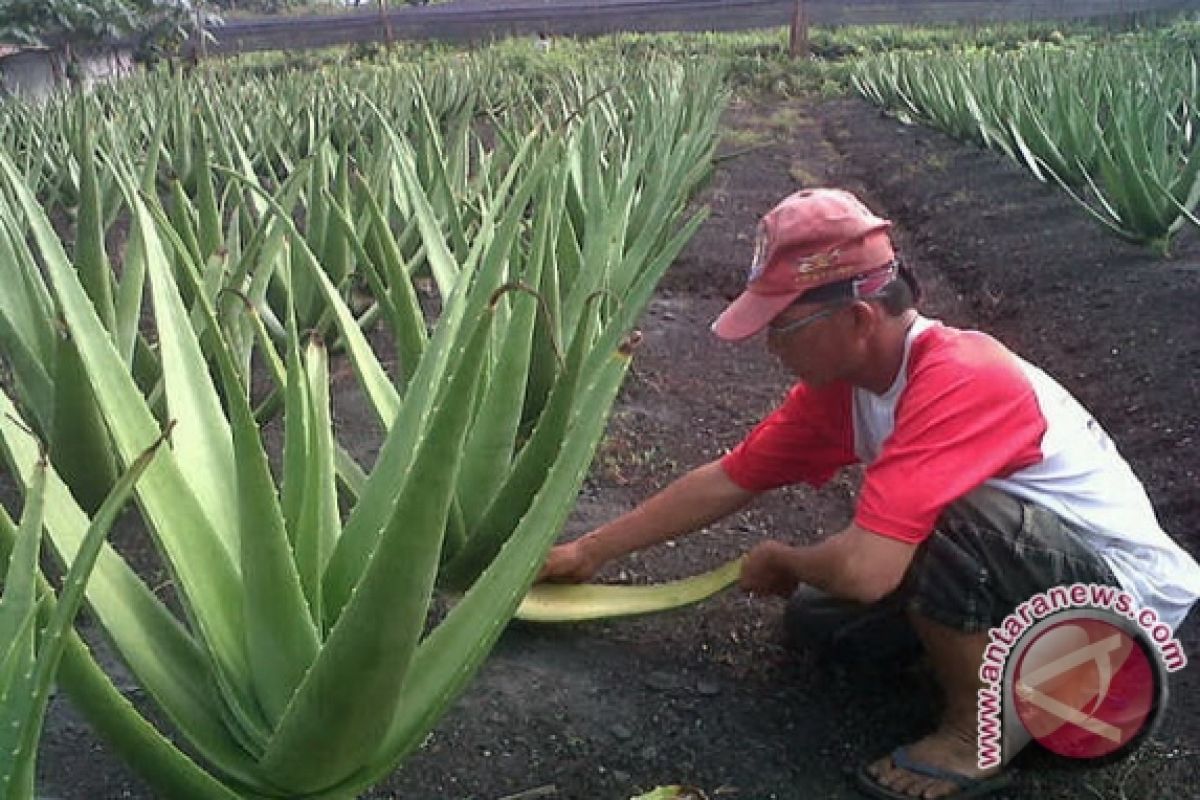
column 201, row 31
column 798, row 40
column 386, row 20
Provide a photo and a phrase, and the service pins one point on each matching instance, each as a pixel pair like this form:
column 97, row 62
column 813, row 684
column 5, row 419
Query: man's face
column 809, row 339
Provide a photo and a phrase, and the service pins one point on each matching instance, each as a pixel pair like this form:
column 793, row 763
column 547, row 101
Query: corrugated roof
column 7, row 50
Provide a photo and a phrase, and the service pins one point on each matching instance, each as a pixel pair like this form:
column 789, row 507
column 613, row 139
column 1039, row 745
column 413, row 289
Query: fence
column 473, row 20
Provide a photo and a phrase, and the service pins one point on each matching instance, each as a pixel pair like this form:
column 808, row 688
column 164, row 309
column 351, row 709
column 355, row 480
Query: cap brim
column 749, row 314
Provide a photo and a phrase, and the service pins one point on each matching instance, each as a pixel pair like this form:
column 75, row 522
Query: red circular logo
column 1084, row 688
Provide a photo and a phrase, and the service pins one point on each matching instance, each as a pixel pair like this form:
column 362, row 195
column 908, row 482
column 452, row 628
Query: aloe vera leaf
column 174, row 670
column 489, row 448
column 113, row 718
column 208, row 212
column 18, row 648
column 528, row 473
column 374, row 380
column 26, row 714
column 378, row 498
column 409, row 322
column 206, row 575
column 450, row 655
column 79, row 443
column 281, row 638
column 318, row 523
column 559, row 602
column 340, row 709
column 91, row 260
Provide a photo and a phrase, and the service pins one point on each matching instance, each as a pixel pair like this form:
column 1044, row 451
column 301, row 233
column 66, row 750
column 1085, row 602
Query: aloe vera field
column 306, row 361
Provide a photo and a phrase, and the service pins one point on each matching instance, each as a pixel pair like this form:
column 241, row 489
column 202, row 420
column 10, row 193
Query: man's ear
column 865, row 315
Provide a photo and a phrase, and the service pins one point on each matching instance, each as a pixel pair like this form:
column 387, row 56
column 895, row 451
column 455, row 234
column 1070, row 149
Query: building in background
column 37, row 72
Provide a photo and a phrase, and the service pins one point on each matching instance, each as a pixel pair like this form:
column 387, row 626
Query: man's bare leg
column 956, row 657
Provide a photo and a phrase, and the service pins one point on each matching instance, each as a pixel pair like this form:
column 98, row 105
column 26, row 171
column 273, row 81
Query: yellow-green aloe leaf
column 557, row 602
column 672, row 792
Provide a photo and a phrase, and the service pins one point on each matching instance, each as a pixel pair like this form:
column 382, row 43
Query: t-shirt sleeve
column 805, row 440
column 960, row 422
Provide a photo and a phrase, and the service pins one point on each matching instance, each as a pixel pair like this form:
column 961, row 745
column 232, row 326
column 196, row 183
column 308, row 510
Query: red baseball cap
column 812, row 238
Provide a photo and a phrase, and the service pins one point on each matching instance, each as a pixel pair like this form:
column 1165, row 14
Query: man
column 985, row 482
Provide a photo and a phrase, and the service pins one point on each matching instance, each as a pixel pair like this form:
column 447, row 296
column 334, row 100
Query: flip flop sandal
column 967, row 786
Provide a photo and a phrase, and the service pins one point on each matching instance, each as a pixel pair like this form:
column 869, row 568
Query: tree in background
column 151, row 26
column 87, row 22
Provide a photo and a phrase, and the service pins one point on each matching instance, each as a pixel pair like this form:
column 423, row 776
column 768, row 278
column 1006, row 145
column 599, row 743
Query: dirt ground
column 709, row 696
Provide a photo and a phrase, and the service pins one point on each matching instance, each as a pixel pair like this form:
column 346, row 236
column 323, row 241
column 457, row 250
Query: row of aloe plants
column 200, row 279
column 1117, row 127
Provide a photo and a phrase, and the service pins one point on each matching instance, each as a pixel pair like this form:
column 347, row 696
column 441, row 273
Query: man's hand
column 572, row 562
column 854, row 564
column 768, row 570
column 699, row 498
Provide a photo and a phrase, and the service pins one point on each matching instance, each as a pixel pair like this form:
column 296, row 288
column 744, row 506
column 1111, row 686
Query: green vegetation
column 35, row 627
column 475, row 234
column 757, row 62
column 84, row 22
column 263, row 223
column 1114, row 125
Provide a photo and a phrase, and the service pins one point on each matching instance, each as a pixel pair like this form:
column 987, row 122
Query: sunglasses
column 782, row 329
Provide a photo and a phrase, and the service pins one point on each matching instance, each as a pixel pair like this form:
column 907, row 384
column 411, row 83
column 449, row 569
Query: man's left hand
column 768, row 570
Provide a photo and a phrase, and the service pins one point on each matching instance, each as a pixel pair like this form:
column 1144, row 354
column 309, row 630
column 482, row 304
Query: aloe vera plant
column 267, row 681
column 1115, row 128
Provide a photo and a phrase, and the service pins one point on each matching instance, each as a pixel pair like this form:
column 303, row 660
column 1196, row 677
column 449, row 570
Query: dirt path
column 708, row 696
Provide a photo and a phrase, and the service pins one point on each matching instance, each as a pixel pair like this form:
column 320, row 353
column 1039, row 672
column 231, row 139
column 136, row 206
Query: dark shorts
column 989, row 552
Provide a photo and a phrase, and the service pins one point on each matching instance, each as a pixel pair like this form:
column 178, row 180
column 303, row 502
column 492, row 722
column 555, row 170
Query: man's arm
column 702, row 496
column 855, row 564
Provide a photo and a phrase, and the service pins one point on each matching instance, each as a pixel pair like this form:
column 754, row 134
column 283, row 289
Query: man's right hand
column 700, row 497
column 570, row 563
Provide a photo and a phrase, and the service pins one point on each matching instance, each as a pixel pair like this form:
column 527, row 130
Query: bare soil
column 710, row 696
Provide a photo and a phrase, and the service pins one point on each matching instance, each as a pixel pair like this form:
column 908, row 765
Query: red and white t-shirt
column 965, row 411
